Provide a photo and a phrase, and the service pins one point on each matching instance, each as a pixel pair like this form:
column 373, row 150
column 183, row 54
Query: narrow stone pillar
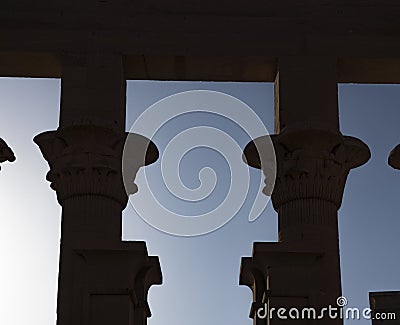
column 6, row 154
column 313, row 161
column 102, row 280
column 385, row 307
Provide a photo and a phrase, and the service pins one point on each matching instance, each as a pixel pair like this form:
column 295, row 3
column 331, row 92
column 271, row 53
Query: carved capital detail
column 6, row 154
column 87, row 160
column 314, row 165
column 311, row 164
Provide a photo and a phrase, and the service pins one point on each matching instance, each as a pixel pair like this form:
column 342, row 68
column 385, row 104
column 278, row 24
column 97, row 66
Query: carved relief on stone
column 311, row 164
column 87, row 160
column 6, row 154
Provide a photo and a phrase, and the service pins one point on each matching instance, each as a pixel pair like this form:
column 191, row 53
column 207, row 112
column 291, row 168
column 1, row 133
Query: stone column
column 102, row 280
column 6, row 154
column 313, row 161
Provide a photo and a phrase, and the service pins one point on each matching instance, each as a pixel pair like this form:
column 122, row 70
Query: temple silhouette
column 305, row 47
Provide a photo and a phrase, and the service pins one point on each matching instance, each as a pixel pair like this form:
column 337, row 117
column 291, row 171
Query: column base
column 291, row 277
column 103, row 286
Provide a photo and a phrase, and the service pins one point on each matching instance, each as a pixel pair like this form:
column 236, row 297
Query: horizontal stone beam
column 216, row 41
column 202, row 68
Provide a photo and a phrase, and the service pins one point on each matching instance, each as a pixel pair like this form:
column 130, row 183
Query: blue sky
column 200, row 273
